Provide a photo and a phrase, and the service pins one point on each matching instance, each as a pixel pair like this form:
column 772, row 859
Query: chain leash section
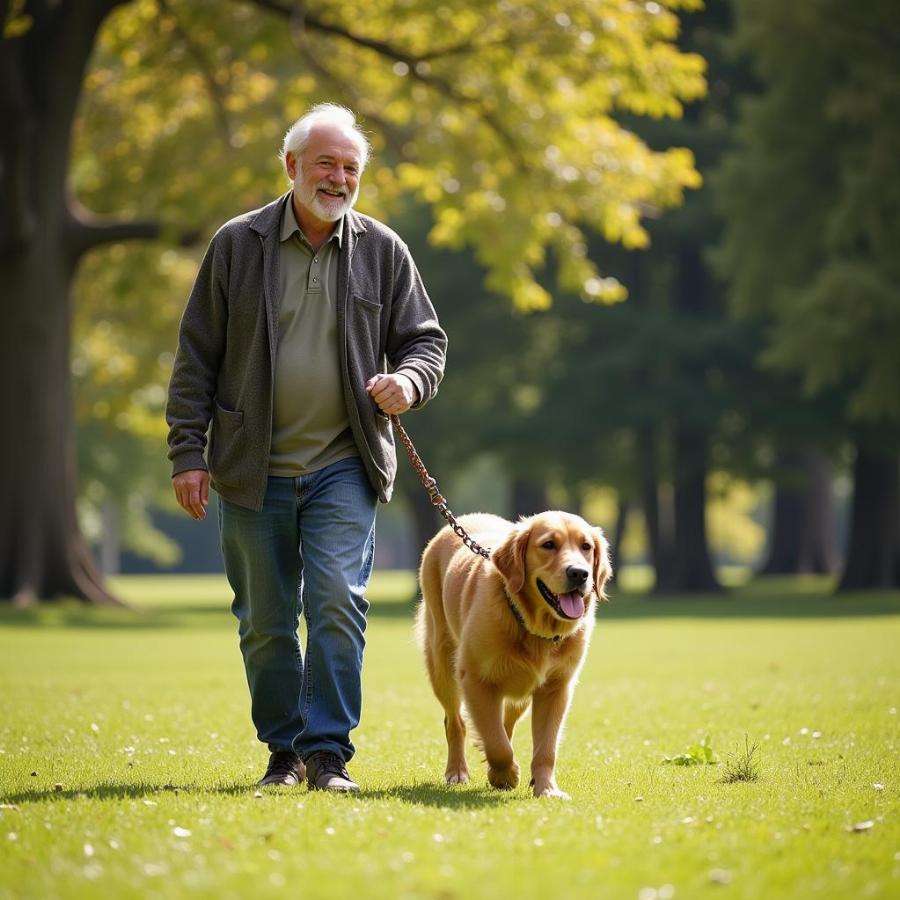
column 430, row 485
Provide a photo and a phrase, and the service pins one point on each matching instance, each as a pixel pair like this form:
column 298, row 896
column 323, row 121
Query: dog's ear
column 509, row 557
column 602, row 565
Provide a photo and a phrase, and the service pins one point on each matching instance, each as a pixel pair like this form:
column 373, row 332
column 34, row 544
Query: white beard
column 331, row 210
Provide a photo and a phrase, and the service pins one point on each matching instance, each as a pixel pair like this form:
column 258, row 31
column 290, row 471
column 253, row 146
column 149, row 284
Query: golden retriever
column 509, row 632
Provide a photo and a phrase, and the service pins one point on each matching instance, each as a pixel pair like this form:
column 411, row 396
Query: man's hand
column 394, row 394
column 192, row 492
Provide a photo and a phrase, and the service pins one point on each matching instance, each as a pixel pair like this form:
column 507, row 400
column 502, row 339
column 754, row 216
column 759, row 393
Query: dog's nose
column 576, row 574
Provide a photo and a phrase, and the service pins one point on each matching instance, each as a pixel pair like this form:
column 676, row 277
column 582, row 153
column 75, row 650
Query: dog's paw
column 504, row 779
column 457, row 777
column 551, row 791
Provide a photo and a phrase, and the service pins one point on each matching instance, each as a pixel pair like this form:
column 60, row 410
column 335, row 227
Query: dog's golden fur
column 478, row 652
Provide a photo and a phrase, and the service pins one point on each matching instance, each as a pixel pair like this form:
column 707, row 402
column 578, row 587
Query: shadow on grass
column 442, row 796
column 138, row 791
column 104, row 791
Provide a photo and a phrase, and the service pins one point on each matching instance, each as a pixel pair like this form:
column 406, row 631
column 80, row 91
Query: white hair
column 297, row 136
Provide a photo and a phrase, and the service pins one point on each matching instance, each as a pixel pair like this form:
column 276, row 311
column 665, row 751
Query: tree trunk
column 691, row 566
column 873, row 557
column 528, row 497
column 425, row 519
column 110, row 539
column 659, row 532
column 617, row 538
column 804, row 534
column 693, row 570
column 42, row 551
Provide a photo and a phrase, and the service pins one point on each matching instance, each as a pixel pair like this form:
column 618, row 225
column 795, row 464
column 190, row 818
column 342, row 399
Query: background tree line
column 528, row 152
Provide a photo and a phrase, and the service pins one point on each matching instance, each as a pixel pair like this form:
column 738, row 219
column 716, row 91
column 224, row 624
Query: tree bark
column 659, row 532
column 617, row 538
column 110, row 539
column 693, row 570
column 873, row 557
column 42, row 551
column 425, row 519
column 804, row 533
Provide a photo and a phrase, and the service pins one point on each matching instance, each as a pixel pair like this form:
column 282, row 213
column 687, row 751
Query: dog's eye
column 549, row 545
column 585, row 546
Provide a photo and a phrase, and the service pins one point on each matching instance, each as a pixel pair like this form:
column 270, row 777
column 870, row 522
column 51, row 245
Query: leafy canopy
column 812, row 199
column 500, row 116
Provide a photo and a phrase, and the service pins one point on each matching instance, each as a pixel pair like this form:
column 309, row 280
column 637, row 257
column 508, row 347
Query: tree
column 127, row 304
column 464, row 101
column 813, row 221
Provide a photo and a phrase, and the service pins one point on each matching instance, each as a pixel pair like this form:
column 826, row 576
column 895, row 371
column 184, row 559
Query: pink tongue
column 572, row 604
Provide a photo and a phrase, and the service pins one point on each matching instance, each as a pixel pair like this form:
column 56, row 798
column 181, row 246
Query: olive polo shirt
column 310, row 428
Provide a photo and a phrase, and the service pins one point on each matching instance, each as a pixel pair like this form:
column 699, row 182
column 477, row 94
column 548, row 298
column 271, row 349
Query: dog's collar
column 521, row 620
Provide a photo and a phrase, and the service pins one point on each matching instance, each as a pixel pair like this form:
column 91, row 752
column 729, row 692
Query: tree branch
column 393, row 135
column 216, row 94
column 84, row 234
column 416, row 64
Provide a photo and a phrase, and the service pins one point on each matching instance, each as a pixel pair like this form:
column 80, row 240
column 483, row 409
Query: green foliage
column 502, row 120
column 16, row 21
column 507, row 129
column 128, row 302
column 701, row 754
column 812, row 197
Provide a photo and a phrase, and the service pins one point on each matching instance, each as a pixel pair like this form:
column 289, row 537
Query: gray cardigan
column 223, row 374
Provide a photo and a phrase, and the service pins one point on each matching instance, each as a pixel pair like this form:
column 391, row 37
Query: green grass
column 136, row 727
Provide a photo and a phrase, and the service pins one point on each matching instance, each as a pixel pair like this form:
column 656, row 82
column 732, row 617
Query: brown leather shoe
column 325, row 771
column 284, row 768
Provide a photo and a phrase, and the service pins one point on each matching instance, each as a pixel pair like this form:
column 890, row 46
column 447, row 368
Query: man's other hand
column 394, row 394
column 192, row 492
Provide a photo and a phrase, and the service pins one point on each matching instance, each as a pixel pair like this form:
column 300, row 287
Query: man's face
column 326, row 174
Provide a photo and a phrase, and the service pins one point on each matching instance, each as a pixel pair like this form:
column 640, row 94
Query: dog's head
column 554, row 563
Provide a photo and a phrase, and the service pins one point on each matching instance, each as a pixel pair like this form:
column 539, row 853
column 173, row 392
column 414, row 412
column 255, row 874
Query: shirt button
column 315, row 280
column 315, row 259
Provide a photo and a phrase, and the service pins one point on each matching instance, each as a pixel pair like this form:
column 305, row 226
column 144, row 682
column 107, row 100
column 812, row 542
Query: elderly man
column 308, row 325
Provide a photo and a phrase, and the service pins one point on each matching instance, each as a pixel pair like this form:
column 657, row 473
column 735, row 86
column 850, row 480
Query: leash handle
column 430, row 484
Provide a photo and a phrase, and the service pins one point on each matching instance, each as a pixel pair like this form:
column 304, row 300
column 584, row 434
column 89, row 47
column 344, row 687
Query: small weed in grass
column 744, row 765
column 695, row 755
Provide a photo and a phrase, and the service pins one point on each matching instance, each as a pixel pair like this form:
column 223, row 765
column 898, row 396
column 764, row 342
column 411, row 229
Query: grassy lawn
column 127, row 760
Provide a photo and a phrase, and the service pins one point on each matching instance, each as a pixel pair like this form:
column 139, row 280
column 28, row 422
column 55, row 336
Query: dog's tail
column 420, row 629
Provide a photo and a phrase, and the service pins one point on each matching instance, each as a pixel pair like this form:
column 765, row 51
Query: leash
column 430, row 484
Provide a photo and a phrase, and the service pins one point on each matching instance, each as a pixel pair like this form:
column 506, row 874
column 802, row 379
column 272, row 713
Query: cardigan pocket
column 364, row 330
column 226, row 446
column 372, row 305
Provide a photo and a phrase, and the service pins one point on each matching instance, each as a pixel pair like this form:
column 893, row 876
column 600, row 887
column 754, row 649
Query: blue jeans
column 310, row 551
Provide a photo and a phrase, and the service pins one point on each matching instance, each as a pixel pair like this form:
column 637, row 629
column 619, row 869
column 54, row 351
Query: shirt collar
column 289, row 225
